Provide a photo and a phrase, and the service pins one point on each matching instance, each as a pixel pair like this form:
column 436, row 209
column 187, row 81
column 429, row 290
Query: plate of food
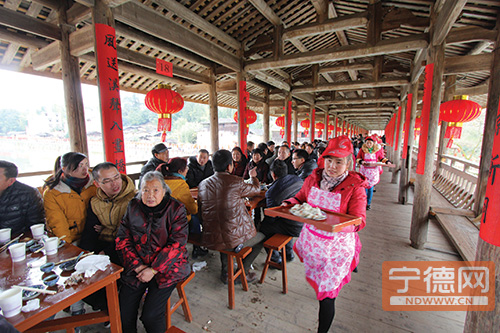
column 29, row 294
column 307, row 211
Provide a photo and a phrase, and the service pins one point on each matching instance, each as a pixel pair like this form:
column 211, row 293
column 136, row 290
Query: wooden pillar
column 266, row 115
column 312, row 120
column 449, row 92
column 406, row 163
column 72, row 87
column 335, row 121
column 325, row 121
column 214, row 113
column 288, row 135
column 420, row 213
column 242, row 141
column 489, row 126
column 399, row 145
column 295, row 113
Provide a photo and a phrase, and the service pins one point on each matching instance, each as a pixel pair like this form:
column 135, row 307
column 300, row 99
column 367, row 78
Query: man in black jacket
column 200, row 167
column 285, row 186
column 21, row 205
column 303, row 165
column 160, row 156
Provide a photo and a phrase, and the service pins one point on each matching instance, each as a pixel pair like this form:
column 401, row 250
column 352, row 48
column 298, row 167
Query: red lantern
column 455, row 112
column 280, row 121
column 330, row 129
column 320, row 126
column 250, row 118
column 305, row 123
column 165, row 102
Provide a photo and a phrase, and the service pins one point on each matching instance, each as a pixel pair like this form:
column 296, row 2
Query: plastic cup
column 18, row 252
column 51, row 245
column 4, row 235
column 37, row 230
column 11, row 301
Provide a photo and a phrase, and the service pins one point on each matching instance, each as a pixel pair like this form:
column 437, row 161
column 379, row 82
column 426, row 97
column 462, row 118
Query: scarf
column 176, row 174
column 76, row 184
column 328, row 183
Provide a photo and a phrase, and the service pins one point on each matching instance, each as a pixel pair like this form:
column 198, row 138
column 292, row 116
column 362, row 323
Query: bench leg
column 169, row 314
column 230, row 281
column 283, row 270
column 266, row 266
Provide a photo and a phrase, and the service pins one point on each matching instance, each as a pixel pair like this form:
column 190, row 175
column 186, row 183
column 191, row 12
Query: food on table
column 307, row 211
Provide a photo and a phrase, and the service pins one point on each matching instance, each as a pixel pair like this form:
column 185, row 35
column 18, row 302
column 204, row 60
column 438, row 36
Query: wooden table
column 251, row 203
column 28, row 273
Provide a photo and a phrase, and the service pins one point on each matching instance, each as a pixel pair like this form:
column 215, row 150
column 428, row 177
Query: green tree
column 12, row 121
column 134, row 111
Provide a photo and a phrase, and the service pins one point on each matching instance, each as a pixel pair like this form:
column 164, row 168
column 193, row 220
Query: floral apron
column 371, row 173
column 328, row 257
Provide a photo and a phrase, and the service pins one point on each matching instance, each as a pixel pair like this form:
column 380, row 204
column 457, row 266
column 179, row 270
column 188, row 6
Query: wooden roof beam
column 365, row 84
column 467, row 64
column 197, row 89
column 354, row 110
column 332, row 25
column 348, row 101
column 156, row 24
column 346, row 68
column 446, row 18
column 388, row 46
column 470, row 34
column 13, row 19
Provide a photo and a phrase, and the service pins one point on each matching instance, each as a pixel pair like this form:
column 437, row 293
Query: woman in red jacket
column 151, row 243
column 329, row 258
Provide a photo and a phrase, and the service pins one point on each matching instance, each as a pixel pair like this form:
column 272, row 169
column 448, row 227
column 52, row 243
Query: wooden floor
column 358, row 308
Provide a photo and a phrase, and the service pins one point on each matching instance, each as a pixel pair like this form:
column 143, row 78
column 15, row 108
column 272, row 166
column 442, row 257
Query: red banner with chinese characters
column 397, row 128
column 407, row 126
column 164, row 67
column 426, row 112
column 109, row 90
column 313, row 125
column 289, row 123
column 243, row 98
column 490, row 226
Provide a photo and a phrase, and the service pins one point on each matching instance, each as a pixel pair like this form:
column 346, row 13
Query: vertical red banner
column 397, row 128
column 109, row 90
column 407, row 126
column 490, row 226
column 426, row 111
column 313, row 125
column 289, row 123
column 243, row 98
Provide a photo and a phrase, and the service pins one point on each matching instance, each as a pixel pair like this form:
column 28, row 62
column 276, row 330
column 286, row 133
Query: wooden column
column 72, row 87
column 214, row 113
column 398, row 147
column 449, row 92
column 406, row 164
column 325, row 121
column 420, row 213
column 242, row 142
column 288, row 135
column 295, row 114
column 489, row 126
column 312, row 120
column 335, row 121
column 266, row 115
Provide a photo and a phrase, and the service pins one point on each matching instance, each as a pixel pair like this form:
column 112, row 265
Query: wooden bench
column 182, row 301
column 195, row 239
column 174, row 329
column 277, row 242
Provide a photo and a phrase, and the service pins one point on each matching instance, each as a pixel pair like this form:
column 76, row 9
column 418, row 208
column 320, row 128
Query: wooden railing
column 455, row 179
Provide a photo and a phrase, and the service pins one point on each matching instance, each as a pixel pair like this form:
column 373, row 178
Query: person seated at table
column 370, row 153
column 106, row 209
column 265, row 150
column 200, row 167
column 226, row 222
column 259, row 165
column 239, row 162
column 175, row 173
column 67, row 195
column 330, row 257
column 285, row 155
column 310, row 149
column 272, row 151
column 21, row 205
column 250, row 148
column 151, row 243
column 160, row 155
column 303, row 164
column 283, row 187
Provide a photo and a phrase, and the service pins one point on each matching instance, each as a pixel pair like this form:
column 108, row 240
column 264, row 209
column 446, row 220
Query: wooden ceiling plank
column 366, row 84
column 358, row 101
column 398, row 45
column 78, row 13
column 331, row 25
column 344, row 68
column 446, row 18
column 25, row 23
column 155, row 24
column 467, row 64
column 199, row 22
column 266, row 11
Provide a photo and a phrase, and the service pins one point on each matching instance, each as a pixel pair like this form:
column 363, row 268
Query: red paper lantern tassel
column 282, row 132
column 449, row 144
column 164, row 122
column 306, row 132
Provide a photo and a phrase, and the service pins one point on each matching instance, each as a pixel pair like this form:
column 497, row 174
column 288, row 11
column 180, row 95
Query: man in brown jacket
column 226, row 222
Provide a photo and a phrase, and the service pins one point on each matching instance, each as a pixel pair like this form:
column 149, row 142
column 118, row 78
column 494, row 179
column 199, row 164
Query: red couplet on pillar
column 289, row 123
column 109, row 89
column 407, row 126
column 313, row 125
column 426, row 112
column 397, row 128
column 490, row 226
column 244, row 97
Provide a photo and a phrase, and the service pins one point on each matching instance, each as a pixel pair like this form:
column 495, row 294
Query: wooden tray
column 334, row 222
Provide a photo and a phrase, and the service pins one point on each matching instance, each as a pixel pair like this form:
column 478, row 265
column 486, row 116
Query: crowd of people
column 145, row 230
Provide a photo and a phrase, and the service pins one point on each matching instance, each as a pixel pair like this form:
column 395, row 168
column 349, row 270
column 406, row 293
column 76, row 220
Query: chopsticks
column 43, row 291
column 3, row 248
column 69, row 259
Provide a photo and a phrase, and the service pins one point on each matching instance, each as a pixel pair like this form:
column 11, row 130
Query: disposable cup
column 17, row 252
column 4, row 235
column 37, row 230
column 51, row 245
column 11, row 301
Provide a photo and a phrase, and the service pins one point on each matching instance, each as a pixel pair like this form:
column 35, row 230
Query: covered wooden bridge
column 354, row 64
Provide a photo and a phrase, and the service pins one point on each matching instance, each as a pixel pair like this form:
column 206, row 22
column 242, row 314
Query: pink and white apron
column 371, row 173
column 328, row 257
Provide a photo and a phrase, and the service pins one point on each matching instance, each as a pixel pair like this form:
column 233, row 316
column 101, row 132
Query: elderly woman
column 329, row 258
column 151, row 243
